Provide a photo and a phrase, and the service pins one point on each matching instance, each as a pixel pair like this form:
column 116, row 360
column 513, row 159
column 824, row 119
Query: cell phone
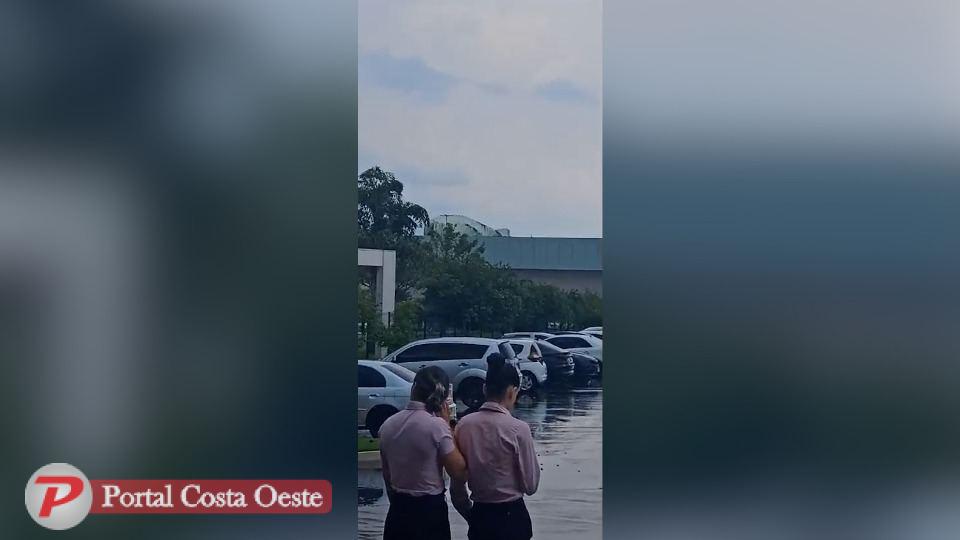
column 452, row 406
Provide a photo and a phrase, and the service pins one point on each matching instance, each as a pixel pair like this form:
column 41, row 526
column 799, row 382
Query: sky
column 489, row 109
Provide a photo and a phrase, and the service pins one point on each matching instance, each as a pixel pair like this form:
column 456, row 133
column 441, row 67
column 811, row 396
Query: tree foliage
column 445, row 285
column 462, row 292
column 404, row 326
column 386, row 221
column 383, row 218
column 370, row 329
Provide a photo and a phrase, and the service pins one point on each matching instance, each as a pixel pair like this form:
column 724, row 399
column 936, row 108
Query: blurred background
column 176, row 209
column 781, row 195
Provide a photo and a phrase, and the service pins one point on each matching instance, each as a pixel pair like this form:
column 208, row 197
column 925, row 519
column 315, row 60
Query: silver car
column 528, row 335
column 595, row 331
column 533, row 370
column 579, row 343
column 464, row 359
column 382, row 390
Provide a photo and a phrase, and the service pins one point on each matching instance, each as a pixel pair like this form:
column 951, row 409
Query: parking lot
column 566, row 422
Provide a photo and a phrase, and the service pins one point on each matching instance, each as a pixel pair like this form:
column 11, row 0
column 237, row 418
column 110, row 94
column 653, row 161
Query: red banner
column 211, row 497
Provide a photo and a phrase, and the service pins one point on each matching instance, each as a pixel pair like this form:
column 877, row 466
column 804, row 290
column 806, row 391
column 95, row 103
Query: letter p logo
column 58, row 496
column 50, row 498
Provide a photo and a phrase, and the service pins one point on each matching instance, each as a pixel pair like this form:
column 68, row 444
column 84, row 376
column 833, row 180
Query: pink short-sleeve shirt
column 502, row 463
column 413, row 443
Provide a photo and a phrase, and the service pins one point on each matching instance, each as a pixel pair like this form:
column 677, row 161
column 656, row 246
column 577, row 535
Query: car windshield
column 400, row 371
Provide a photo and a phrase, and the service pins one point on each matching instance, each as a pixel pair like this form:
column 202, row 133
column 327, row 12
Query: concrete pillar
column 385, row 284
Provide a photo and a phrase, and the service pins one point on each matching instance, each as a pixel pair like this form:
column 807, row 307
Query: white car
column 382, row 390
column 580, row 343
column 464, row 359
column 537, row 336
column 533, row 370
column 595, row 331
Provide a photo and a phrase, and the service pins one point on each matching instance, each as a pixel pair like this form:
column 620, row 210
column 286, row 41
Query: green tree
column 455, row 260
column 499, row 299
column 542, row 307
column 443, row 279
column 383, row 217
column 369, row 326
column 386, row 221
column 586, row 309
column 461, row 290
column 546, row 307
column 404, row 326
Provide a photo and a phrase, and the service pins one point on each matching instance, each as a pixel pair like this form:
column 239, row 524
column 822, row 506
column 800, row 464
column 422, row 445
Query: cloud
column 567, row 92
column 408, row 75
column 508, row 140
column 492, row 88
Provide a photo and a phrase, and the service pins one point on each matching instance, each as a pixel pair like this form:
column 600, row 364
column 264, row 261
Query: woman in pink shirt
column 501, row 461
column 416, row 445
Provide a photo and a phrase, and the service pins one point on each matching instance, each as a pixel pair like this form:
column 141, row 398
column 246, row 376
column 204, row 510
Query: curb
column 368, row 460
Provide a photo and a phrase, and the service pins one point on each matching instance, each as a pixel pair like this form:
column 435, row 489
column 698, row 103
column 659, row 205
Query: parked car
column 583, row 365
column 587, row 366
column 559, row 364
column 533, row 368
column 382, row 390
column 595, row 331
column 464, row 359
column 537, row 336
column 581, row 343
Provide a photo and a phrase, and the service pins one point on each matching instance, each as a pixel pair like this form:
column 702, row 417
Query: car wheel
column 528, row 382
column 470, row 392
column 376, row 418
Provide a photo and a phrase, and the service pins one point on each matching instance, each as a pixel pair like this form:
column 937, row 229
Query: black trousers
column 417, row 517
column 500, row 521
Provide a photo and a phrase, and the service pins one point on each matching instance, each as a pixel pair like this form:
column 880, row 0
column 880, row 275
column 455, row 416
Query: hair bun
column 495, row 362
column 434, row 403
column 500, row 376
column 431, row 386
column 437, row 397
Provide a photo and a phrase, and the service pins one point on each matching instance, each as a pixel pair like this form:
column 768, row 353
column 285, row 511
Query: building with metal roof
column 568, row 263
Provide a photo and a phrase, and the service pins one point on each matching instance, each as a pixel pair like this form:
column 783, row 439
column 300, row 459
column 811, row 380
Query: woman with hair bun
column 501, row 461
column 416, row 445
